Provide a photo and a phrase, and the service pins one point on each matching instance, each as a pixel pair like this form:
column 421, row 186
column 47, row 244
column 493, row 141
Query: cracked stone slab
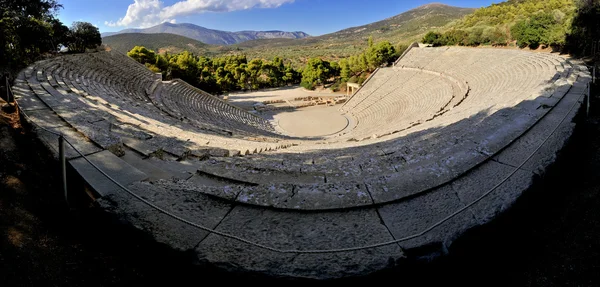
column 504, row 129
column 485, row 177
column 81, row 143
column 197, row 184
column 119, row 170
column 46, row 118
column 302, row 231
column 99, row 132
column 139, row 146
column 26, row 99
column 78, row 116
column 183, row 169
column 524, row 146
column 153, row 171
column 195, row 207
column 419, row 178
column 307, row 196
column 256, row 175
column 415, row 215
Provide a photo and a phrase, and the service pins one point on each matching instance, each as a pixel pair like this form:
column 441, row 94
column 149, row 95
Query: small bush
column 308, row 85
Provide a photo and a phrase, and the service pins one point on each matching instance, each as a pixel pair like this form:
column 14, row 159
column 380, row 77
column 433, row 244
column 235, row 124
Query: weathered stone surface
column 80, row 142
column 154, row 172
column 523, row 147
column 26, row 99
column 246, row 172
column 203, row 185
column 301, row 231
column 418, row 147
column 195, row 207
column 45, row 118
column 183, row 169
column 139, row 146
column 484, row 178
column 116, row 168
column 423, row 176
column 406, row 218
column 306, row 196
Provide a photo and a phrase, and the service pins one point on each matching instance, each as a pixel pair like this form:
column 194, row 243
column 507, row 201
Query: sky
column 315, row 17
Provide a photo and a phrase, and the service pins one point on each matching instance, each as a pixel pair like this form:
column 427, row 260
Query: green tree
column 315, row 72
column 143, row 55
column 431, row 37
column 345, row 72
column 83, row 35
column 27, row 30
column 585, row 29
column 254, row 70
column 380, row 54
column 534, row 31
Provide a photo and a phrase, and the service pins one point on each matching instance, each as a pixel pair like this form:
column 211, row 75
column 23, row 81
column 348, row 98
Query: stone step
column 118, row 169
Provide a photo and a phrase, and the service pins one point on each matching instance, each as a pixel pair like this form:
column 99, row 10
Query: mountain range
column 210, row 36
column 403, row 28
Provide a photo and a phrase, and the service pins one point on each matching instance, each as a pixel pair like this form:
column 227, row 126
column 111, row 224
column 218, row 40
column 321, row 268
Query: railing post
column 7, row 90
column 587, row 108
column 63, row 165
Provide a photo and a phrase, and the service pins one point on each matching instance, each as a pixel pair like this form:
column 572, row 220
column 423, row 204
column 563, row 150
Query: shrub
column 431, row 37
column 308, row 85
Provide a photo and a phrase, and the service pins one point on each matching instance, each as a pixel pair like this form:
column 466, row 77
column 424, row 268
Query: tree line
column 584, row 38
column 530, row 23
column 220, row 74
column 29, row 28
column 234, row 73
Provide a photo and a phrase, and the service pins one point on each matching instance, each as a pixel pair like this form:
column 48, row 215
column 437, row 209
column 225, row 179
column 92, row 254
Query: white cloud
column 142, row 13
column 146, row 13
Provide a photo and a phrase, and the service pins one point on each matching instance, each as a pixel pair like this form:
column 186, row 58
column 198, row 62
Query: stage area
column 311, row 121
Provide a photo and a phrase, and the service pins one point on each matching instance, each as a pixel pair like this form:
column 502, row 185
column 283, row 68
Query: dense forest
column 530, row 23
column 235, row 72
column 584, row 38
column 29, row 28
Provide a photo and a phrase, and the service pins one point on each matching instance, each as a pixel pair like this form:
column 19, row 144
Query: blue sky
column 315, row 17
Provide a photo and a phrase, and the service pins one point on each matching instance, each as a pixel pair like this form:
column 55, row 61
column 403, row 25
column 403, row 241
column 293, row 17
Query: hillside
column 403, row 28
column 158, row 42
column 530, row 23
column 210, row 36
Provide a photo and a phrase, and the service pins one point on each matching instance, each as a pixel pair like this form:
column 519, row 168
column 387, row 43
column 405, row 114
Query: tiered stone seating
column 427, row 137
column 100, row 96
column 481, row 104
column 183, row 100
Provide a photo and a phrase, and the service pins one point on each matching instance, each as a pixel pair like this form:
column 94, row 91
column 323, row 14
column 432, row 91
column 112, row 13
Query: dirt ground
column 248, row 99
column 311, row 121
column 551, row 236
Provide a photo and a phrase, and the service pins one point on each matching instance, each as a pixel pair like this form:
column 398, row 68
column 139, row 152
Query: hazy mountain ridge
column 210, row 36
column 402, row 28
column 158, row 42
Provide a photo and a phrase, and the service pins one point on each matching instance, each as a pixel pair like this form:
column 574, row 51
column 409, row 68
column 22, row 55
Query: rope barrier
column 296, row 251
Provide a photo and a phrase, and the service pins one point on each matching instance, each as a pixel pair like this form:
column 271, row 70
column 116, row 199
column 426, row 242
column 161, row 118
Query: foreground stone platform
column 443, row 141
